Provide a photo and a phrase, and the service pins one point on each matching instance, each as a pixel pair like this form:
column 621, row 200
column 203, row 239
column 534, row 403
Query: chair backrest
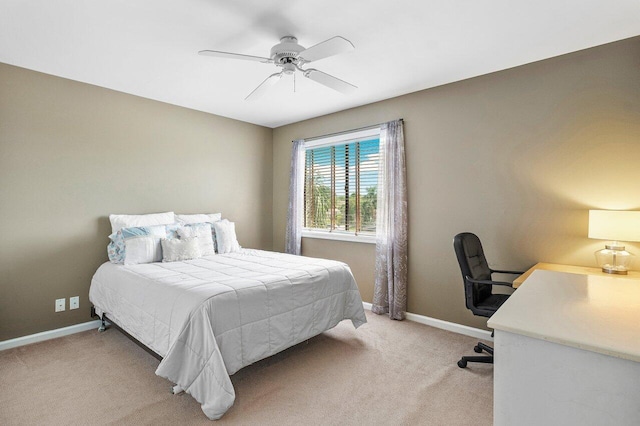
column 472, row 264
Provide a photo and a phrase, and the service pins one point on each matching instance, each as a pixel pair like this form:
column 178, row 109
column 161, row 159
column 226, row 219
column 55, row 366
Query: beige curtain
column 390, row 289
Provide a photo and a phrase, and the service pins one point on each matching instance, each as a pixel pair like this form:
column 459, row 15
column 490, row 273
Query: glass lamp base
column 614, row 259
column 610, row 269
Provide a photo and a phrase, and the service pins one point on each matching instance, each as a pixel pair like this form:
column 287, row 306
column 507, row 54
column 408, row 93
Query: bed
column 209, row 317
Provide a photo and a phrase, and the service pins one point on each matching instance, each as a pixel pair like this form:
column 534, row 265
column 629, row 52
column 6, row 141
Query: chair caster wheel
column 477, row 349
column 462, row 363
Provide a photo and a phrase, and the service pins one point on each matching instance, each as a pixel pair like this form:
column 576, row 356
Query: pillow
column 115, row 249
column 142, row 244
column 172, row 230
column 226, row 236
column 175, row 250
column 119, row 221
column 202, row 231
column 187, row 219
column 131, row 246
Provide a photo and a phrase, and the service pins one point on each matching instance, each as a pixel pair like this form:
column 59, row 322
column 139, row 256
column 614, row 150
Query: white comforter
column 212, row 316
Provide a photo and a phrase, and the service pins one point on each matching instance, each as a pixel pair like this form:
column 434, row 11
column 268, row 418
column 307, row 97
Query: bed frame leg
column 176, row 389
column 103, row 326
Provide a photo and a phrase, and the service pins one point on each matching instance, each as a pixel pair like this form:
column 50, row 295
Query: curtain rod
column 346, row 131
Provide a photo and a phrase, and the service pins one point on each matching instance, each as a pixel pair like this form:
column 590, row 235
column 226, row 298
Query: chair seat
column 492, row 303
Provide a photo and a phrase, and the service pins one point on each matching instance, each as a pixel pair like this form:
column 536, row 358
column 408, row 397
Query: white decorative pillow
column 226, row 239
column 187, row 219
column 175, row 250
column 142, row 244
column 142, row 250
column 119, row 221
column 202, row 231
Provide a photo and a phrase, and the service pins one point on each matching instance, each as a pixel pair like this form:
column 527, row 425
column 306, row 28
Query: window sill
column 337, row 236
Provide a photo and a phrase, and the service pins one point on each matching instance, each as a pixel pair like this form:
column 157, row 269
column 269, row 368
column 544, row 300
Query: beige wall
column 72, row 153
column 517, row 157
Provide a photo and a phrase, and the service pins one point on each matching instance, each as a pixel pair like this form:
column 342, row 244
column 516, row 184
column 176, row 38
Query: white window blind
column 340, row 184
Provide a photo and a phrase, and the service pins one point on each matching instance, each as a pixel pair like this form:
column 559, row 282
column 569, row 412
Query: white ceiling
column 149, row 47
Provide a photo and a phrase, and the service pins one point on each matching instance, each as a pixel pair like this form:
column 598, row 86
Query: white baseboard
column 445, row 325
column 77, row 328
column 46, row 335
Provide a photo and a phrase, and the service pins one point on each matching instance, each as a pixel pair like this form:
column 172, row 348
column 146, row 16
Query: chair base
column 486, row 359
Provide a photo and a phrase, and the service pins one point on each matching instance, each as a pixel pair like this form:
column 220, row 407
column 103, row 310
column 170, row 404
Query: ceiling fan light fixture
column 289, row 68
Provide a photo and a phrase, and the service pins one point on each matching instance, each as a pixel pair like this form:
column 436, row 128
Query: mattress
column 210, row 317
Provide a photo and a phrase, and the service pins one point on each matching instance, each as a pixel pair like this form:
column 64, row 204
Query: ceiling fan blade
column 330, row 81
column 327, row 48
column 264, row 86
column 228, row 55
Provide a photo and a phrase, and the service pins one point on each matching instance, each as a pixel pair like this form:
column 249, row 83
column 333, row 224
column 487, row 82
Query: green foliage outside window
column 337, row 177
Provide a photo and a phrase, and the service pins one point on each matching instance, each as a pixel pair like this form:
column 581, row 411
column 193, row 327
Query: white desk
column 583, row 270
column 567, row 351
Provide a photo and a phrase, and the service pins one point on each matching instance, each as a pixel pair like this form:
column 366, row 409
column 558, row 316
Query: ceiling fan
column 291, row 57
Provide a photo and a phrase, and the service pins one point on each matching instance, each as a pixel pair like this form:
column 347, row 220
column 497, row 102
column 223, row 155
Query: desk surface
column 582, row 270
column 599, row 313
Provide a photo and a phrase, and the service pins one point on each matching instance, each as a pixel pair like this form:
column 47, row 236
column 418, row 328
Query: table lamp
column 615, row 226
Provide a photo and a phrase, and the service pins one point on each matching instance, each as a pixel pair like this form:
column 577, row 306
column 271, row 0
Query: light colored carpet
column 387, row 372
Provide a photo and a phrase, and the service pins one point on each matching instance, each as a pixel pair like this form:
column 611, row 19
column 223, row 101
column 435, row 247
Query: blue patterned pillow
column 115, row 249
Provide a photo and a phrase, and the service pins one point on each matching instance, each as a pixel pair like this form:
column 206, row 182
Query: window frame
column 332, row 140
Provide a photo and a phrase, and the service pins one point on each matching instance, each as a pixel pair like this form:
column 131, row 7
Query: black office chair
column 476, row 276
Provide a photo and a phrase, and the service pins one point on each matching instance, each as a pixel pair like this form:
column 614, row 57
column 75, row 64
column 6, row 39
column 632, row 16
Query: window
column 340, row 186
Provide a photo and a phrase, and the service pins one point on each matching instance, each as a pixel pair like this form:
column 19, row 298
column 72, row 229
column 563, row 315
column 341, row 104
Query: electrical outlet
column 60, row 305
column 74, row 302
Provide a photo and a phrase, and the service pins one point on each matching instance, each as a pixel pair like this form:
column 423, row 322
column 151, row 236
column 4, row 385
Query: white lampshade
column 614, row 225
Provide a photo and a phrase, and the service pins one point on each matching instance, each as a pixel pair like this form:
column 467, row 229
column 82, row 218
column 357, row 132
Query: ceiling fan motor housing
column 287, row 51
